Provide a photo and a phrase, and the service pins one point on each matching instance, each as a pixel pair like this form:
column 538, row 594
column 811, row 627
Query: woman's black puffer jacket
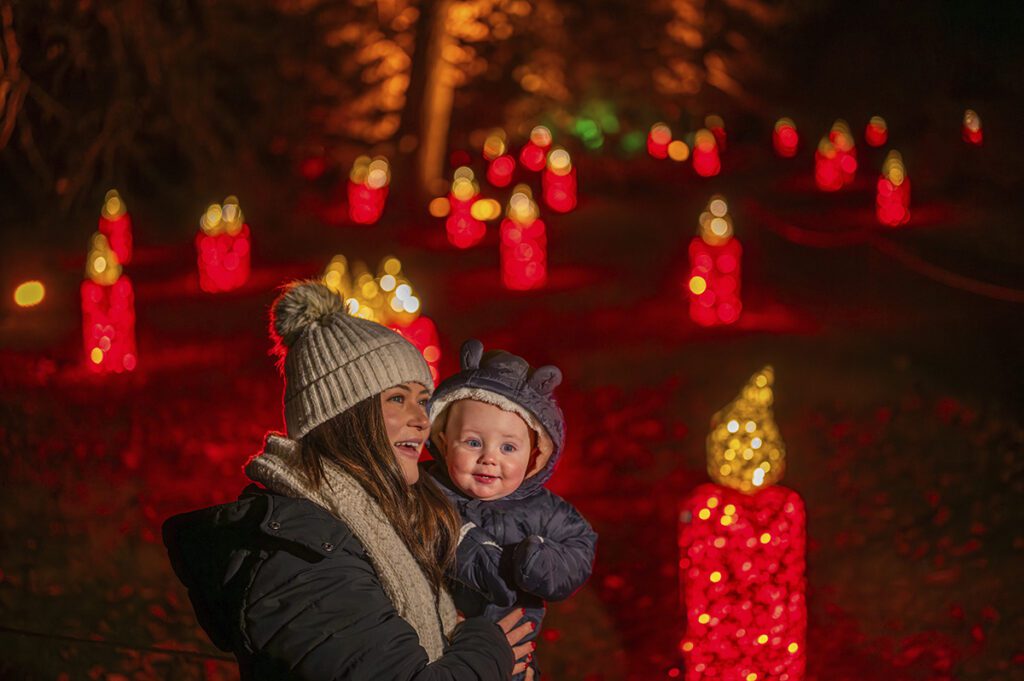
column 287, row 588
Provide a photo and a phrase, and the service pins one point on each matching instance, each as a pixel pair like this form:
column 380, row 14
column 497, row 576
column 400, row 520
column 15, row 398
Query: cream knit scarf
column 404, row 582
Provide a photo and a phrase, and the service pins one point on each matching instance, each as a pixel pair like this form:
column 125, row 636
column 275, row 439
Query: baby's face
column 487, row 449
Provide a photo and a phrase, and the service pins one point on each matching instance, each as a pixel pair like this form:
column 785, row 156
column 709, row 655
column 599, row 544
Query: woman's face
column 405, row 419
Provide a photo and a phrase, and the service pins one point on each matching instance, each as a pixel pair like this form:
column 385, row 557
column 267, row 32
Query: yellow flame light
column 704, row 140
column 360, row 169
column 972, row 121
column 113, row 206
column 893, row 168
column 878, row 123
column 678, row 150
column 378, row 173
column 826, row 148
column 102, row 265
column 713, row 121
column 222, row 219
column 29, row 293
column 841, row 135
column 715, row 222
column 541, row 136
column 486, row 209
column 559, row 161
column 464, row 185
column 495, row 144
column 388, row 298
column 784, row 122
column 744, row 448
column 661, row 133
column 521, row 206
column 440, row 207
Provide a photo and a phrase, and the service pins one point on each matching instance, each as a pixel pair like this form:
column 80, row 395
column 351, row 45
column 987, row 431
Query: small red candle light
column 971, row 130
column 827, row 173
column 785, row 138
column 742, row 544
column 876, row 133
column 716, row 125
column 368, row 183
column 846, row 152
column 116, row 225
column 534, row 155
column 658, row 140
column 524, row 243
column 559, row 181
column 715, row 267
column 108, row 311
column 705, row 154
column 892, row 199
column 463, row 229
column 223, row 246
column 500, row 166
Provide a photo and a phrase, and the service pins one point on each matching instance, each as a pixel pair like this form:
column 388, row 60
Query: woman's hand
column 522, row 653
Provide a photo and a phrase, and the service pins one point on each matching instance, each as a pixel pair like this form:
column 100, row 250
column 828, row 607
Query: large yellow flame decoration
column 387, row 299
column 102, row 265
column 745, row 450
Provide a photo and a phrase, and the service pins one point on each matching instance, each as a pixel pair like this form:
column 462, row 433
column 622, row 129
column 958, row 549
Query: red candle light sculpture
column 500, row 166
column 524, row 243
column 658, row 140
column 716, row 125
column 223, row 245
column 705, row 154
column 388, row 299
column 116, row 225
column 464, row 230
column 559, row 181
column 892, row 199
column 715, row 267
column 108, row 311
column 368, row 183
column 828, row 175
column 846, row 151
column 742, row 546
column 534, row 154
column 785, row 138
column 971, row 130
column 876, row 133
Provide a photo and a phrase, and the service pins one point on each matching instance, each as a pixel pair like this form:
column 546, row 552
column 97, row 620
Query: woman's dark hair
column 356, row 440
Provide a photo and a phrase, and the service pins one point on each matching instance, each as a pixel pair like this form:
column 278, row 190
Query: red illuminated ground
column 897, row 395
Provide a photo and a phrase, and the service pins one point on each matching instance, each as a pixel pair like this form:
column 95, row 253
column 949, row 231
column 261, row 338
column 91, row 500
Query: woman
column 332, row 567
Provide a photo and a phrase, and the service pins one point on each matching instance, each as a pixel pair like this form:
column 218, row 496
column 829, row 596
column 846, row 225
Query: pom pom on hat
column 301, row 305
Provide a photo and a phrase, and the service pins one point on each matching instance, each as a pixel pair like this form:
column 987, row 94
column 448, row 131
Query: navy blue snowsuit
column 519, row 551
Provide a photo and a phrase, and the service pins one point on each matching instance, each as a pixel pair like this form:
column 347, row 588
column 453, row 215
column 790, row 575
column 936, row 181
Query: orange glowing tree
column 742, row 551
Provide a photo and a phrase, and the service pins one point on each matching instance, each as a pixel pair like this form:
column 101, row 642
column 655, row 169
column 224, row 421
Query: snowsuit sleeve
column 478, row 566
column 557, row 561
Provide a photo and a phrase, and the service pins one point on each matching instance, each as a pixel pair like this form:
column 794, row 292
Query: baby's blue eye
column 473, row 442
column 508, row 448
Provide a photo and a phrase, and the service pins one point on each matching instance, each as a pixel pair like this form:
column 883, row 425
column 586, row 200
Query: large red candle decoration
column 876, row 133
column 524, row 243
column 559, row 181
column 705, row 154
column 892, row 198
column 716, row 257
column 846, row 151
column 116, row 225
column 785, row 138
column 108, row 311
column 658, row 139
column 534, row 155
column 223, row 246
column 971, row 130
column 368, row 183
column 716, row 125
column 742, row 542
column 387, row 299
column 463, row 229
column 500, row 165
column 827, row 173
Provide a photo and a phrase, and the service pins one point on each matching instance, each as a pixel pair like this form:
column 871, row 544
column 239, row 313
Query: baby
column 497, row 434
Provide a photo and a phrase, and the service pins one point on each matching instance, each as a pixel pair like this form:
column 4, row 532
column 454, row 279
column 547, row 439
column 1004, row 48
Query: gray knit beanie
column 331, row 360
